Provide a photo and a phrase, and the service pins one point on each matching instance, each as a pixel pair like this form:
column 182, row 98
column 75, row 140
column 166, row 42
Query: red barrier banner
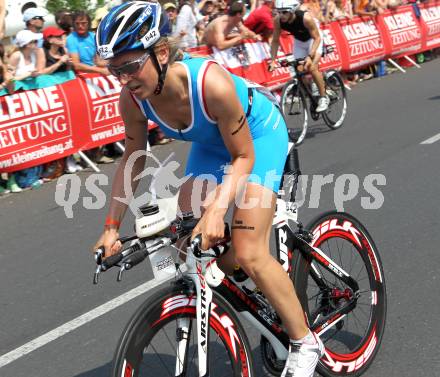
column 332, row 60
column 36, row 126
column 430, row 19
column 104, row 122
column 401, row 31
column 361, row 42
column 250, row 61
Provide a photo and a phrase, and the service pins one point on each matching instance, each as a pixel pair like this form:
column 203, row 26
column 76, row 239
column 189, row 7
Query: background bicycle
column 299, row 99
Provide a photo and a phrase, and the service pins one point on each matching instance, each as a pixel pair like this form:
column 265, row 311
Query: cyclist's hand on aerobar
column 211, row 226
column 109, row 239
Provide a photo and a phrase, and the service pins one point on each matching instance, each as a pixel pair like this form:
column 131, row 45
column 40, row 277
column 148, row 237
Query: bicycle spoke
column 163, row 363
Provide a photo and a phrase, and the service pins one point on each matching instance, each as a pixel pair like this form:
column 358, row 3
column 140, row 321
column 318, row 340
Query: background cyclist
column 308, row 42
column 228, row 122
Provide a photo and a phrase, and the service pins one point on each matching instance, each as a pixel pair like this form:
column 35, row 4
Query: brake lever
column 99, row 253
column 121, row 270
column 96, row 274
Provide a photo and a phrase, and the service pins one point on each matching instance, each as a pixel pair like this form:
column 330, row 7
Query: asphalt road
column 46, row 268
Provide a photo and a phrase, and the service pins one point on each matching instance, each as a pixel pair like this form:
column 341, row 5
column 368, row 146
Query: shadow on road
column 434, row 98
column 102, row 371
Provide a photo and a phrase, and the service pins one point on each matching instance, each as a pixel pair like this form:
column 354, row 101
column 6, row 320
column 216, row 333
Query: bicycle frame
column 256, row 311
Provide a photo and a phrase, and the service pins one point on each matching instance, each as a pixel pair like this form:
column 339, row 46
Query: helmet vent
column 113, row 29
column 145, row 28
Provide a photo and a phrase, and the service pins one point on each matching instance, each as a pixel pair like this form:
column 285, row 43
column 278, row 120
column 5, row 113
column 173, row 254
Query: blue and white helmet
column 134, row 25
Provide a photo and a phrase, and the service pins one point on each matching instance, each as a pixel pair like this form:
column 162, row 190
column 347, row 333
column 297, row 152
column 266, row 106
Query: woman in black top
column 56, row 58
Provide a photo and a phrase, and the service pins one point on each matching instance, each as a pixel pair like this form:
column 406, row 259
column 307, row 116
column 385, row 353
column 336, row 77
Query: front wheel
column 293, row 105
column 352, row 339
column 161, row 339
column 334, row 116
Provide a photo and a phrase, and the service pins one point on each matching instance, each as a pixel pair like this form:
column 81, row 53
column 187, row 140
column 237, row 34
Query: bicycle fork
column 196, row 272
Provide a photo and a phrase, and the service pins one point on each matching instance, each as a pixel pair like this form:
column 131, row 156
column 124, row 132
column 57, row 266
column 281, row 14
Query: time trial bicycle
column 190, row 327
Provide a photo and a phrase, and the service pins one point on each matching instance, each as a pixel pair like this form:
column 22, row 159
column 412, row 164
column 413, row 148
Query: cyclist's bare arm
column 311, row 26
column 275, row 42
column 135, row 140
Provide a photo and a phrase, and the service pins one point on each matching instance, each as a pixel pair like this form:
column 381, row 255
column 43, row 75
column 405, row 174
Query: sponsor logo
column 283, row 256
column 331, row 225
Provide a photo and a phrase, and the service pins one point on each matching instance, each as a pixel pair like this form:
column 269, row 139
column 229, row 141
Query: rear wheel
column 334, row 116
column 353, row 339
column 161, row 339
column 293, row 105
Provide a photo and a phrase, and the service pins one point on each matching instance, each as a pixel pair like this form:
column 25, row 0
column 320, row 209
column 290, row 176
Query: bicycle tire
column 172, row 303
column 346, row 354
column 293, row 104
column 337, row 93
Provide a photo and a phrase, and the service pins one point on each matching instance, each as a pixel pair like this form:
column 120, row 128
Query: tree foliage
column 90, row 6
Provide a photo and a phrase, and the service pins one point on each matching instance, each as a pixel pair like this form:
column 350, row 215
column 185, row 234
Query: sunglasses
column 129, row 69
column 38, row 18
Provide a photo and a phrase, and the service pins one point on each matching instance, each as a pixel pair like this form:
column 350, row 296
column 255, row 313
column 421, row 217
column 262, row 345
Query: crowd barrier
column 38, row 126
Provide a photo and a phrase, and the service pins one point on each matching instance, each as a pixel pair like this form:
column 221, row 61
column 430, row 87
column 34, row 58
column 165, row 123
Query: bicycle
column 294, row 105
column 190, row 327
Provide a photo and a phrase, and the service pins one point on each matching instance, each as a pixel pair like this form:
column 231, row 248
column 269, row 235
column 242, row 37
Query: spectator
column 250, row 5
column 222, row 7
column 187, row 18
column 6, row 77
column 99, row 15
column 34, row 20
column 2, row 18
column 315, row 7
column 260, row 21
column 55, row 57
column 207, row 8
column 365, row 8
column 81, row 46
column 63, row 19
column 82, row 50
column 171, row 10
column 337, row 10
column 228, row 30
column 24, row 60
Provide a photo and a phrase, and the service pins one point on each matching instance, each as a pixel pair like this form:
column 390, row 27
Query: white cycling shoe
column 303, row 358
column 323, row 103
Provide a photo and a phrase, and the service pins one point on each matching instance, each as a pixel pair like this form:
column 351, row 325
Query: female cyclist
column 230, row 123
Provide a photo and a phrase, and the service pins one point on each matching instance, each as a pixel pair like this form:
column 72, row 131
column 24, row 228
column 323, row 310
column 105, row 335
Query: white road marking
column 168, row 205
column 432, row 139
column 75, row 323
